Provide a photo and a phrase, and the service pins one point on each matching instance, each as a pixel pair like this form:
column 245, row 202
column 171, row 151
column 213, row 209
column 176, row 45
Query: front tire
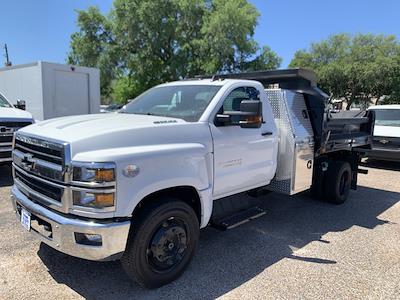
column 162, row 243
column 338, row 182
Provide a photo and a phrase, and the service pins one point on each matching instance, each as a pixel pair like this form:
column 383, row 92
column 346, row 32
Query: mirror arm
column 239, row 113
column 223, row 116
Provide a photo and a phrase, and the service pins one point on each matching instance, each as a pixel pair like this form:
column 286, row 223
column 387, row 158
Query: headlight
column 94, row 172
column 99, row 182
column 95, row 200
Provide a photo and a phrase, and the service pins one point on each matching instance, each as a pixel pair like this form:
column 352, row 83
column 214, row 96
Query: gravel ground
column 301, row 249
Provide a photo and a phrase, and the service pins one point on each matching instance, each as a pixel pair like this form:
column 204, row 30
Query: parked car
column 386, row 140
column 110, row 108
column 139, row 184
column 12, row 118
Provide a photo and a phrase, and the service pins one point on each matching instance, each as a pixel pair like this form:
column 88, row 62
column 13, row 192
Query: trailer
column 52, row 90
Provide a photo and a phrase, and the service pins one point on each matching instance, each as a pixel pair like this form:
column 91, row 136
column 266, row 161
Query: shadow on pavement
column 226, row 260
column 5, row 175
column 380, row 164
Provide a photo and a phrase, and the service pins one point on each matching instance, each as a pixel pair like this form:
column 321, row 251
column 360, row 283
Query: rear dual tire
column 338, row 182
column 334, row 184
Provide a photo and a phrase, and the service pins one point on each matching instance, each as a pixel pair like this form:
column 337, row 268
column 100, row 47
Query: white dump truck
column 138, row 185
column 12, row 118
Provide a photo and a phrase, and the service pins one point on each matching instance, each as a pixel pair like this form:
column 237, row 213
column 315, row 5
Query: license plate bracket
column 26, row 219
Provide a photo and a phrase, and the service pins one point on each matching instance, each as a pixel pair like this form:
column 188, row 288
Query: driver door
column 244, row 158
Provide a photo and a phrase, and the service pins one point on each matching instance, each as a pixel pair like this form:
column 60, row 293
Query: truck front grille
column 5, row 155
column 6, row 138
column 7, row 130
column 386, row 143
column 14, row 124
column 38, row 186
column 42, row 158
column 46, row 154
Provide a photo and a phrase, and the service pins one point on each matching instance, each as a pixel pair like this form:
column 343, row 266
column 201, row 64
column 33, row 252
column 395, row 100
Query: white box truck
column 52, row 90
column 139, row 184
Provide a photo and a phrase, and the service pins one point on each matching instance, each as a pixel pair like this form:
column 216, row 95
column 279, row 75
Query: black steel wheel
column 168, row 246
column 338, row 182
column 162, row 243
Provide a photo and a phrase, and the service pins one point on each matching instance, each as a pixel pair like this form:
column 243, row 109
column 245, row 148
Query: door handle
column 266, row 133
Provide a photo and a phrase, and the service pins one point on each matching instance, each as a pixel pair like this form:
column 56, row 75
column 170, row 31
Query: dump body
column 309, row 134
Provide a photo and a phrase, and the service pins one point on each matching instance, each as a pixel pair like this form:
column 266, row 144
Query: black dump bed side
column 332, row 131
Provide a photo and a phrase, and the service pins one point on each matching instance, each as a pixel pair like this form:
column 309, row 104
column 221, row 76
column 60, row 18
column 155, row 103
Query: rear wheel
column 162, row 243
column 337, row 182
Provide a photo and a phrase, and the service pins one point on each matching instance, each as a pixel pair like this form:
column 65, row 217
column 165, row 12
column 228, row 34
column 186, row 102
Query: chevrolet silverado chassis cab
column 11, row 119
column 138, row 185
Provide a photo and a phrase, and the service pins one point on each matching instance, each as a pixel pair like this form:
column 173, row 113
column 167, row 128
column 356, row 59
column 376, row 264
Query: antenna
column 8, row 62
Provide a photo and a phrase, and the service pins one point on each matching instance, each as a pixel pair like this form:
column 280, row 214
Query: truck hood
column 88, row 133
column 74, row 128
column 388, row 131
column 14, row 114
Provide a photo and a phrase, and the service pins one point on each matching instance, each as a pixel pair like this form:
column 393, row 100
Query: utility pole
column 8, row 62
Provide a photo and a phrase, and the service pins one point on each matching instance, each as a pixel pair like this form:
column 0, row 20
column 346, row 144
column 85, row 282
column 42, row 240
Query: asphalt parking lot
column 301, row 249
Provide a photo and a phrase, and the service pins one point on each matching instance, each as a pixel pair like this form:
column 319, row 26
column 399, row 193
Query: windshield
column 4, row 102
column 387, row 117
column 186, row 102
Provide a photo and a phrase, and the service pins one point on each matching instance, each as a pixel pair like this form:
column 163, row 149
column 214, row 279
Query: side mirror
column 21, row 104
column 252, row 114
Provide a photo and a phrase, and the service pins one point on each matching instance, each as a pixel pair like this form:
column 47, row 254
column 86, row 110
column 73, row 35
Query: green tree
column 143, row 43
column 359, row 68
column 91, row 46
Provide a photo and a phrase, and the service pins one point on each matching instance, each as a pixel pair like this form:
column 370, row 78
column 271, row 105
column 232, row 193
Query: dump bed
column 308, row 131
column 331, row 132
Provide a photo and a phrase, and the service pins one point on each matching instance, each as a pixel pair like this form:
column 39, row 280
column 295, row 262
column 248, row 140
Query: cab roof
column 218, row 82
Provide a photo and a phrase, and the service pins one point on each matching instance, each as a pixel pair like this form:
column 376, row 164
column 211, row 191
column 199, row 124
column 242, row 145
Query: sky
column 41, row 29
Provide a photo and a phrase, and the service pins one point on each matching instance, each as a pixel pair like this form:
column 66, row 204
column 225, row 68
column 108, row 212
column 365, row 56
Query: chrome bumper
column 63, row 228
column 384, row 154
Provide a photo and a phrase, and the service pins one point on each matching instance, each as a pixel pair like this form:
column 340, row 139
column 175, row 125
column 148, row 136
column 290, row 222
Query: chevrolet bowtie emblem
column 4, row 129
column 383, row 141
column 28, row 160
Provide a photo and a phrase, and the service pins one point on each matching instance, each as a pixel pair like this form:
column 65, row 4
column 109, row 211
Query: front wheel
column 338, row 182
column 162, row 243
